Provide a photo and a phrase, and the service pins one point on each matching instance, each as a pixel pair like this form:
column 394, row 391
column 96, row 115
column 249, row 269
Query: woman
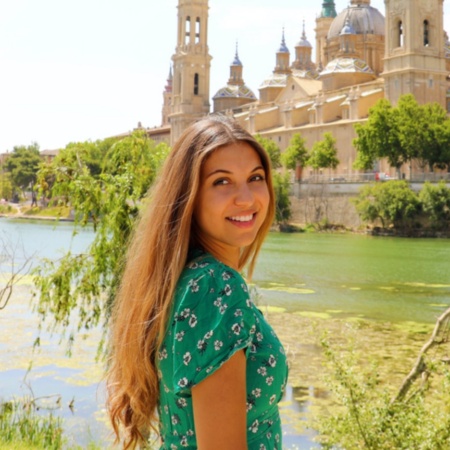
column 192, row 358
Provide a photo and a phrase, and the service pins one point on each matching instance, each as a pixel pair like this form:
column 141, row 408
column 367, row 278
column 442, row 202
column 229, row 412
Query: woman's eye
column 257, row 177
column 220, row 182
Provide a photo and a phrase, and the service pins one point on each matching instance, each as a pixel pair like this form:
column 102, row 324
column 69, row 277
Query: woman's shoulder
column 202, row 263
column 204, row 275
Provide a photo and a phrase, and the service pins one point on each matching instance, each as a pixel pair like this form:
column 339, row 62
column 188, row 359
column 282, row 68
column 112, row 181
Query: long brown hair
column 155, row 258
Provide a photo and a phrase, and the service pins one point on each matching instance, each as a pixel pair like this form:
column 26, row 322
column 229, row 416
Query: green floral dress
column 213, row 318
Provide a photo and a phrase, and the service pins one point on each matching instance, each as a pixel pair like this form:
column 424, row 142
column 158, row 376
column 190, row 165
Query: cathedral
column 360, row 57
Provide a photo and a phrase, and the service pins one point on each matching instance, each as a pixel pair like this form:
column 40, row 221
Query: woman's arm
column 220, row 410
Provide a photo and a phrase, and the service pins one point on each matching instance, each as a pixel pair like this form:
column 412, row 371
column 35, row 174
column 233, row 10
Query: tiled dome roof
column 346, row 65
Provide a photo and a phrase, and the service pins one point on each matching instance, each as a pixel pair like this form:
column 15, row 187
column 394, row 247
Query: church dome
column 346, row 65
column 362, row 18
column 233, row 91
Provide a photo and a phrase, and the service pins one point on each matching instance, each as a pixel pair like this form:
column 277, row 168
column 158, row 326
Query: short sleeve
column 212, row 321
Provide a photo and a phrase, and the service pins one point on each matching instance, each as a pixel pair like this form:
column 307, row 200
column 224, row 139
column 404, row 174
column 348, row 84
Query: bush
column 393, row 203
column 435, row 200
column 367, row 418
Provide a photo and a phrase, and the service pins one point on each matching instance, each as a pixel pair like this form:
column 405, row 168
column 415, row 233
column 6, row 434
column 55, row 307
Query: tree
column 272, row 149
column 324, row 154
column 404, row 133
column 435, row 151
column 85, row 284
column 281, row 185
column 296, row 154
column 23, row 165
column 378, row 137
column 394, row 203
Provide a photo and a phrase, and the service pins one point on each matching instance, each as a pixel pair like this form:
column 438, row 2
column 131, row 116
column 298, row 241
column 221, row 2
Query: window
column 426, row 32
column 197, row 30
column 196, row 77
column 400, row 34
column 187, row 31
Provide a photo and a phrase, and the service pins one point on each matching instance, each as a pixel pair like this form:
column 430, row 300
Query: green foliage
column 393, row 203
column 21, row 427
column 324, row 153
column 366, row 417
column 272, row 149
column 435, row 201
column 403, row 133
column 23, row 165
column 296, row 153
column 83, row 284
column 6, row 187
column 282, row 185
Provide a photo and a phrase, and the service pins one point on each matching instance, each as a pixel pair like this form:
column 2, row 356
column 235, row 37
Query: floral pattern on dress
column 212, row 318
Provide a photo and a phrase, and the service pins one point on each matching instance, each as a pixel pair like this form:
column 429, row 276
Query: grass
column 53, row 211
column 21, row 428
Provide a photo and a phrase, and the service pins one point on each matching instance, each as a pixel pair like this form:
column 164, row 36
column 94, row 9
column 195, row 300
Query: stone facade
column 361, row 57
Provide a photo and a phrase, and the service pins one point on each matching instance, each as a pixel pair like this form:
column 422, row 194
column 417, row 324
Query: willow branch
column 420, row 365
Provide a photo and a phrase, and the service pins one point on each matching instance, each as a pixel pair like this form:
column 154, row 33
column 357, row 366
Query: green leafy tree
column 23, row 165
column 394, row 203
column 85, row 283
column 324, row 154
column 296, row 155
column 435, row 151
column 282, row 185
column 272, row 149
column 435, row 202
column 378, row 137
column 403, row 133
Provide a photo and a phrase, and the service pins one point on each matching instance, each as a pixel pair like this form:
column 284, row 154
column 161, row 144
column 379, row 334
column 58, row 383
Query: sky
column 78, row 70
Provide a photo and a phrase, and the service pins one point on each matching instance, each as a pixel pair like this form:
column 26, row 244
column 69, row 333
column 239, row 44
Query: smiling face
column 232, row 201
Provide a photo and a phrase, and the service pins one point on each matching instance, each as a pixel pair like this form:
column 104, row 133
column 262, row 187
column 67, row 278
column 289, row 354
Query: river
column 300, row 278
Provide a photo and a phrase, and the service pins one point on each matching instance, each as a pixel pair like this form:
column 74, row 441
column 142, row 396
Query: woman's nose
column 244, row 195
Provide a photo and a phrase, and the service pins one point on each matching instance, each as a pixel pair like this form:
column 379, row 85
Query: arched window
column 197, row 30
column 187, row 36
column 400, row 34
column 426, row 33
column 196, row 77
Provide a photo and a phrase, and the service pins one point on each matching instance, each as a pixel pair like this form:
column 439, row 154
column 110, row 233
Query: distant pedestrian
column 33, row 198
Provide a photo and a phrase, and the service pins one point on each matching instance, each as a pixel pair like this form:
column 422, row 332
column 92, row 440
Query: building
column 361, row 56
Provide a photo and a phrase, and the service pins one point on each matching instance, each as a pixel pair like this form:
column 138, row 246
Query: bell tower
column 414, row 58
column 191, row 67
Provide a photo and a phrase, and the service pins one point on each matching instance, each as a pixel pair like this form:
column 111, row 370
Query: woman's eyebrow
column 229, row 172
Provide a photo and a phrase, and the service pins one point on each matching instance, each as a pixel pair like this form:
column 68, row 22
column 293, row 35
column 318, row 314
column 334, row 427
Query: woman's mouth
column 246, row 218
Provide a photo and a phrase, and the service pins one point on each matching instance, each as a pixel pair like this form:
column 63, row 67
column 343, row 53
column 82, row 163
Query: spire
column 304, row 41
column 169, row 81
column 236, row 70
column 283, row 47
column 360, row 2
column 236, row 61
column 329, row 8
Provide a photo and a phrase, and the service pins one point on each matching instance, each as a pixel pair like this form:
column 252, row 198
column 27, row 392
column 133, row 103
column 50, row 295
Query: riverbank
column 26, row 212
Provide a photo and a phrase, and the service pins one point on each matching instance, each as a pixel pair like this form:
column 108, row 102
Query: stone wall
column 319, row 202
